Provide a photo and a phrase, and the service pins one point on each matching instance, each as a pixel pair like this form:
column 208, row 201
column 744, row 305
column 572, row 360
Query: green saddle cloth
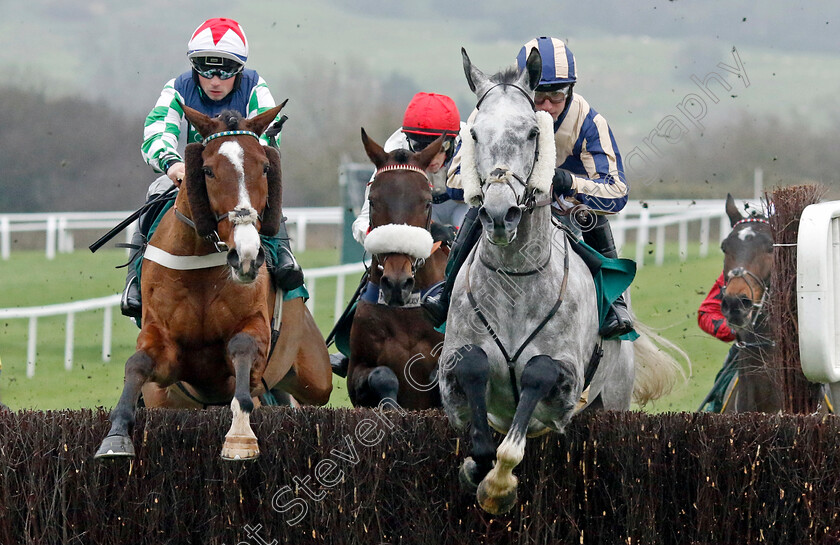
column 611, row 280
column 271, row 247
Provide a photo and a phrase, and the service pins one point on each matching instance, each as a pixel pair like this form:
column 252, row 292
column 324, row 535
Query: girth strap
column 512, row 359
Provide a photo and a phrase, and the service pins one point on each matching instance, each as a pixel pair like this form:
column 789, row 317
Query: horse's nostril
column 513, row 215
column 233, row 259
column 408, row 285
column 386, row 283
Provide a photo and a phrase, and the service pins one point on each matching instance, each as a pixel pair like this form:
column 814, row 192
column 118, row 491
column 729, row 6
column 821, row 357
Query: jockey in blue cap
column 588, row 171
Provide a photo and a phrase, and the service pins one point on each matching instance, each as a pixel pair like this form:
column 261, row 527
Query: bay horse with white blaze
column 206, row 332
column 747, row 266
column 393, row 349
column 522, row 339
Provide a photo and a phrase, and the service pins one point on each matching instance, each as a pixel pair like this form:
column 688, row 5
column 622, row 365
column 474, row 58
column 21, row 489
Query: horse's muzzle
column 500, row 225
column 396, row 291
column 245, row 271
column 737, row 310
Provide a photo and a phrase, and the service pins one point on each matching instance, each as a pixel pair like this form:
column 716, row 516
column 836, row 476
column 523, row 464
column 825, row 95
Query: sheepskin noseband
column 399, row 239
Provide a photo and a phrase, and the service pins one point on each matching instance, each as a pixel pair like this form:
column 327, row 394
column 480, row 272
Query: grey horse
column 522, row 329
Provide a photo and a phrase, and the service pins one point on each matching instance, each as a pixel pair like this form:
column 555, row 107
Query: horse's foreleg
column 240, row 441
column 118, row 443
column 497, row 492
column 368, row 386
column 471, row 371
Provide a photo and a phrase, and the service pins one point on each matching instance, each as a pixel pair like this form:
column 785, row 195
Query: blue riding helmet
column 558, row 62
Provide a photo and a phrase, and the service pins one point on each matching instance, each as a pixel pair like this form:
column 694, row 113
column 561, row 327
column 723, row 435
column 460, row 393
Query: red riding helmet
column 430, row 115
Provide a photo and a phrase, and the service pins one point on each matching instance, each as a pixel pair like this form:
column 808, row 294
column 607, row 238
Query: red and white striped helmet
column 220, row 37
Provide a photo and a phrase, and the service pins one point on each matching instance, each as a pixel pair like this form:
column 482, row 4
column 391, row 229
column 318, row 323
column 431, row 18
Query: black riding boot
column 618, row 320
column 437, row 307
column 130, row 301
column 286, row 273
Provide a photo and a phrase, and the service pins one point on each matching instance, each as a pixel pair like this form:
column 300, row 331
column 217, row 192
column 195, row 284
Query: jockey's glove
column 440, row 196
column 561, row 183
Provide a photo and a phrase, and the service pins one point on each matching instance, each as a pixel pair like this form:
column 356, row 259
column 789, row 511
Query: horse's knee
column 539, row 372
column 243, row 347
column 139, row 364
column 319, row 394
column 384, row 382
column 469, row 364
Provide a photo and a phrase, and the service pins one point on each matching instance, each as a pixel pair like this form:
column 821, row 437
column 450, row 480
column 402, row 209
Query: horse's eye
column 266, row 168
column 208, row 172
column 472, row 133
column 535, row 131
column 428, row 204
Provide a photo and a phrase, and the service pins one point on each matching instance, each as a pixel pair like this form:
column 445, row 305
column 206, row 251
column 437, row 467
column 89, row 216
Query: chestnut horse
column 747, row 264
column 393, row 349
column 206, row 328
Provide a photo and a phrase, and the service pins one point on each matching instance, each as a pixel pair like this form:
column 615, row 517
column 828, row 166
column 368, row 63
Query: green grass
column 664, row 297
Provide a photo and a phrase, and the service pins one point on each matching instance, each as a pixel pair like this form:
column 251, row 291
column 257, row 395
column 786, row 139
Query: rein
column 511, row 360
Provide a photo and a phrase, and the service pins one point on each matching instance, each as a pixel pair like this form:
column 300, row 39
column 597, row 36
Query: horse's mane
column 232, row 118
column 508, row 75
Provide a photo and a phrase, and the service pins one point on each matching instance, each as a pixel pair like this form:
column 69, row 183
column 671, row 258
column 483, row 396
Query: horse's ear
column 204, row 124
column 261, row 122
column 475, row 77
column 425, row 157
column 374, row 150
column 533, row 67
column 732, row 211
column 273, row 213
column 200, row 209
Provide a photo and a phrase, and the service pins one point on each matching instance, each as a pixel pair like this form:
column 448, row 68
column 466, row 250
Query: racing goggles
column 417, row 145
column 207, row 67
column 555, row 97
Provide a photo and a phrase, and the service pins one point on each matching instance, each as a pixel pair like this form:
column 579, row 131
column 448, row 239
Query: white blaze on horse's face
column 746, row 232
column 245, row 235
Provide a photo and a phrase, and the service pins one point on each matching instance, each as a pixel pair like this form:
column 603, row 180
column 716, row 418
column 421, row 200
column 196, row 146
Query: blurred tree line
column 74, row 154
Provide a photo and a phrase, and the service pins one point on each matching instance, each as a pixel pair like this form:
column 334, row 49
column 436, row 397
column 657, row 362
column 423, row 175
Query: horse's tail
column 657, row 368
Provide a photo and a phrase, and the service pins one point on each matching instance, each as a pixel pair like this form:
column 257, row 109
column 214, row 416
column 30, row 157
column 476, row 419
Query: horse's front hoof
column 497, row 505
column 466, row 476
column 115, row 446
column 240, row 448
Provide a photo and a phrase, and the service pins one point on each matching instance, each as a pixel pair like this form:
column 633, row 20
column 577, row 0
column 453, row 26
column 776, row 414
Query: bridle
column 528, row 200
column 757, row 308
column 419, row 262
column 237, row 216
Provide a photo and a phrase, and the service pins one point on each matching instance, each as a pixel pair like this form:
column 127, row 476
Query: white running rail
column 108, row 304
column 60, row 226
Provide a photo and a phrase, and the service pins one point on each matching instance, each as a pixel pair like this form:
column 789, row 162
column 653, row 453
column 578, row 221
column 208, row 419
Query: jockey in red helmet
column 217, row 51
column 427, row 117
